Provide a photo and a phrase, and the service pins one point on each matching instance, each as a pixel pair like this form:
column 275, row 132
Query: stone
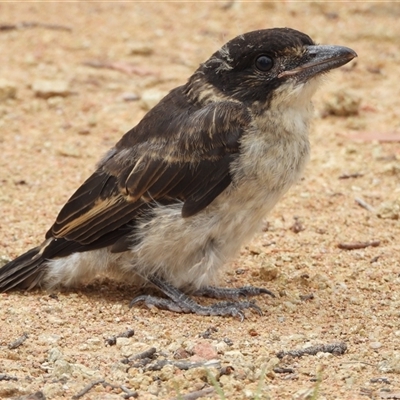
column 45, row 89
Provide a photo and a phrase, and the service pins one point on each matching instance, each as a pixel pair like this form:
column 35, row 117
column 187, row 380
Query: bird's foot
column 180, row 302
column 231, row 293
column 186, row 305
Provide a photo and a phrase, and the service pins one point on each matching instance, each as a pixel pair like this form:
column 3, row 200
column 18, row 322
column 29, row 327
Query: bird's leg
column 231, row 293
column 180, row 302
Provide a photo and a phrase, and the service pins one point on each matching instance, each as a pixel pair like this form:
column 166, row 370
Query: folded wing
column 178, row 153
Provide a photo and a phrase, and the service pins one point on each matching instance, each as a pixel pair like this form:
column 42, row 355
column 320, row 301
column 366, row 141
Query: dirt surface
column 110, row 62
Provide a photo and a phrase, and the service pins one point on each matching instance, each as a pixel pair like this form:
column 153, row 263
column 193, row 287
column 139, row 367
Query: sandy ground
column 350, row 193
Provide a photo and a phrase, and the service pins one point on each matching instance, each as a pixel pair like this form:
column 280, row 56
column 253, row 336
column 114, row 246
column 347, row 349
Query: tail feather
column 25, row 272
column 30, row 269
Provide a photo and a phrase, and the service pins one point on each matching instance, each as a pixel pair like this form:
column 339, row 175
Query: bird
column 182, row 191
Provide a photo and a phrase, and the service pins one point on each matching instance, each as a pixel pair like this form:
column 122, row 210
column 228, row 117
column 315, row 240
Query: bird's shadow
column 103, row 291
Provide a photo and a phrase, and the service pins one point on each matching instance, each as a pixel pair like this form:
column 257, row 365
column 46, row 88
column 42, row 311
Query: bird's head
column 259, row 65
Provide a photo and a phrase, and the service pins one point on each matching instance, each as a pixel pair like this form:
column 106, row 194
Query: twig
column 366, row 392
column 291, row 377
column 348, row 176
column 128, row 393
column 283, row 370
column 145, row 354
column 138, row 364
column 111, row 341
column 18, row 342
column 358, row 245
column 185, row 365
column 26, row 25
column 150, row 365
column 334, row 348
column 364, row 204
column 4, row 377
column 196, row 395
column 305, row 297
column 380, row 380
column 145, row 358
column 146, row 361
column 32, row 396
column 87, row 388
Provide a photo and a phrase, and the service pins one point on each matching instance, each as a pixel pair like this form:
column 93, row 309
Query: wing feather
column 178, row 152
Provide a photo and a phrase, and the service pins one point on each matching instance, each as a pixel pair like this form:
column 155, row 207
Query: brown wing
column 178, row 153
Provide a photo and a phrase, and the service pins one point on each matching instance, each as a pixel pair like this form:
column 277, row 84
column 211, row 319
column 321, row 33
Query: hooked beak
column 319, row 59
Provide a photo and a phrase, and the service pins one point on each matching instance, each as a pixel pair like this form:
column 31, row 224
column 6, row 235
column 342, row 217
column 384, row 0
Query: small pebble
column 49, row 88
column 140, row 49
column 389, row 210
column 268, row 273
column 205, row 351
column 128, row 96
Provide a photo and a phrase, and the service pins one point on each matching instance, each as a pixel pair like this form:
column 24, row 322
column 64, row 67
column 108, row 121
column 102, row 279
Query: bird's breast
column 274, row 152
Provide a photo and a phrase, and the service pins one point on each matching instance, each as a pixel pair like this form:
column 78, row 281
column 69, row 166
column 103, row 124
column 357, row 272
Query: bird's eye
column 264, row 63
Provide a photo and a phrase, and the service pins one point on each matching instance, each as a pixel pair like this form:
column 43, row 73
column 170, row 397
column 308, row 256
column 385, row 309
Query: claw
column 180, row 302
column 137, row 299
column 266, row 291
column 232, row 293
column 258, row 309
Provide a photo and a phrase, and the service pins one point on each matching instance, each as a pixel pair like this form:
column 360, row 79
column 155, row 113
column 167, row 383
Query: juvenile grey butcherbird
column 182, row 191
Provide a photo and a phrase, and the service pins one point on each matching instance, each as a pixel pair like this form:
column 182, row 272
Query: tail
column 25, row 272
column 31, row 269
